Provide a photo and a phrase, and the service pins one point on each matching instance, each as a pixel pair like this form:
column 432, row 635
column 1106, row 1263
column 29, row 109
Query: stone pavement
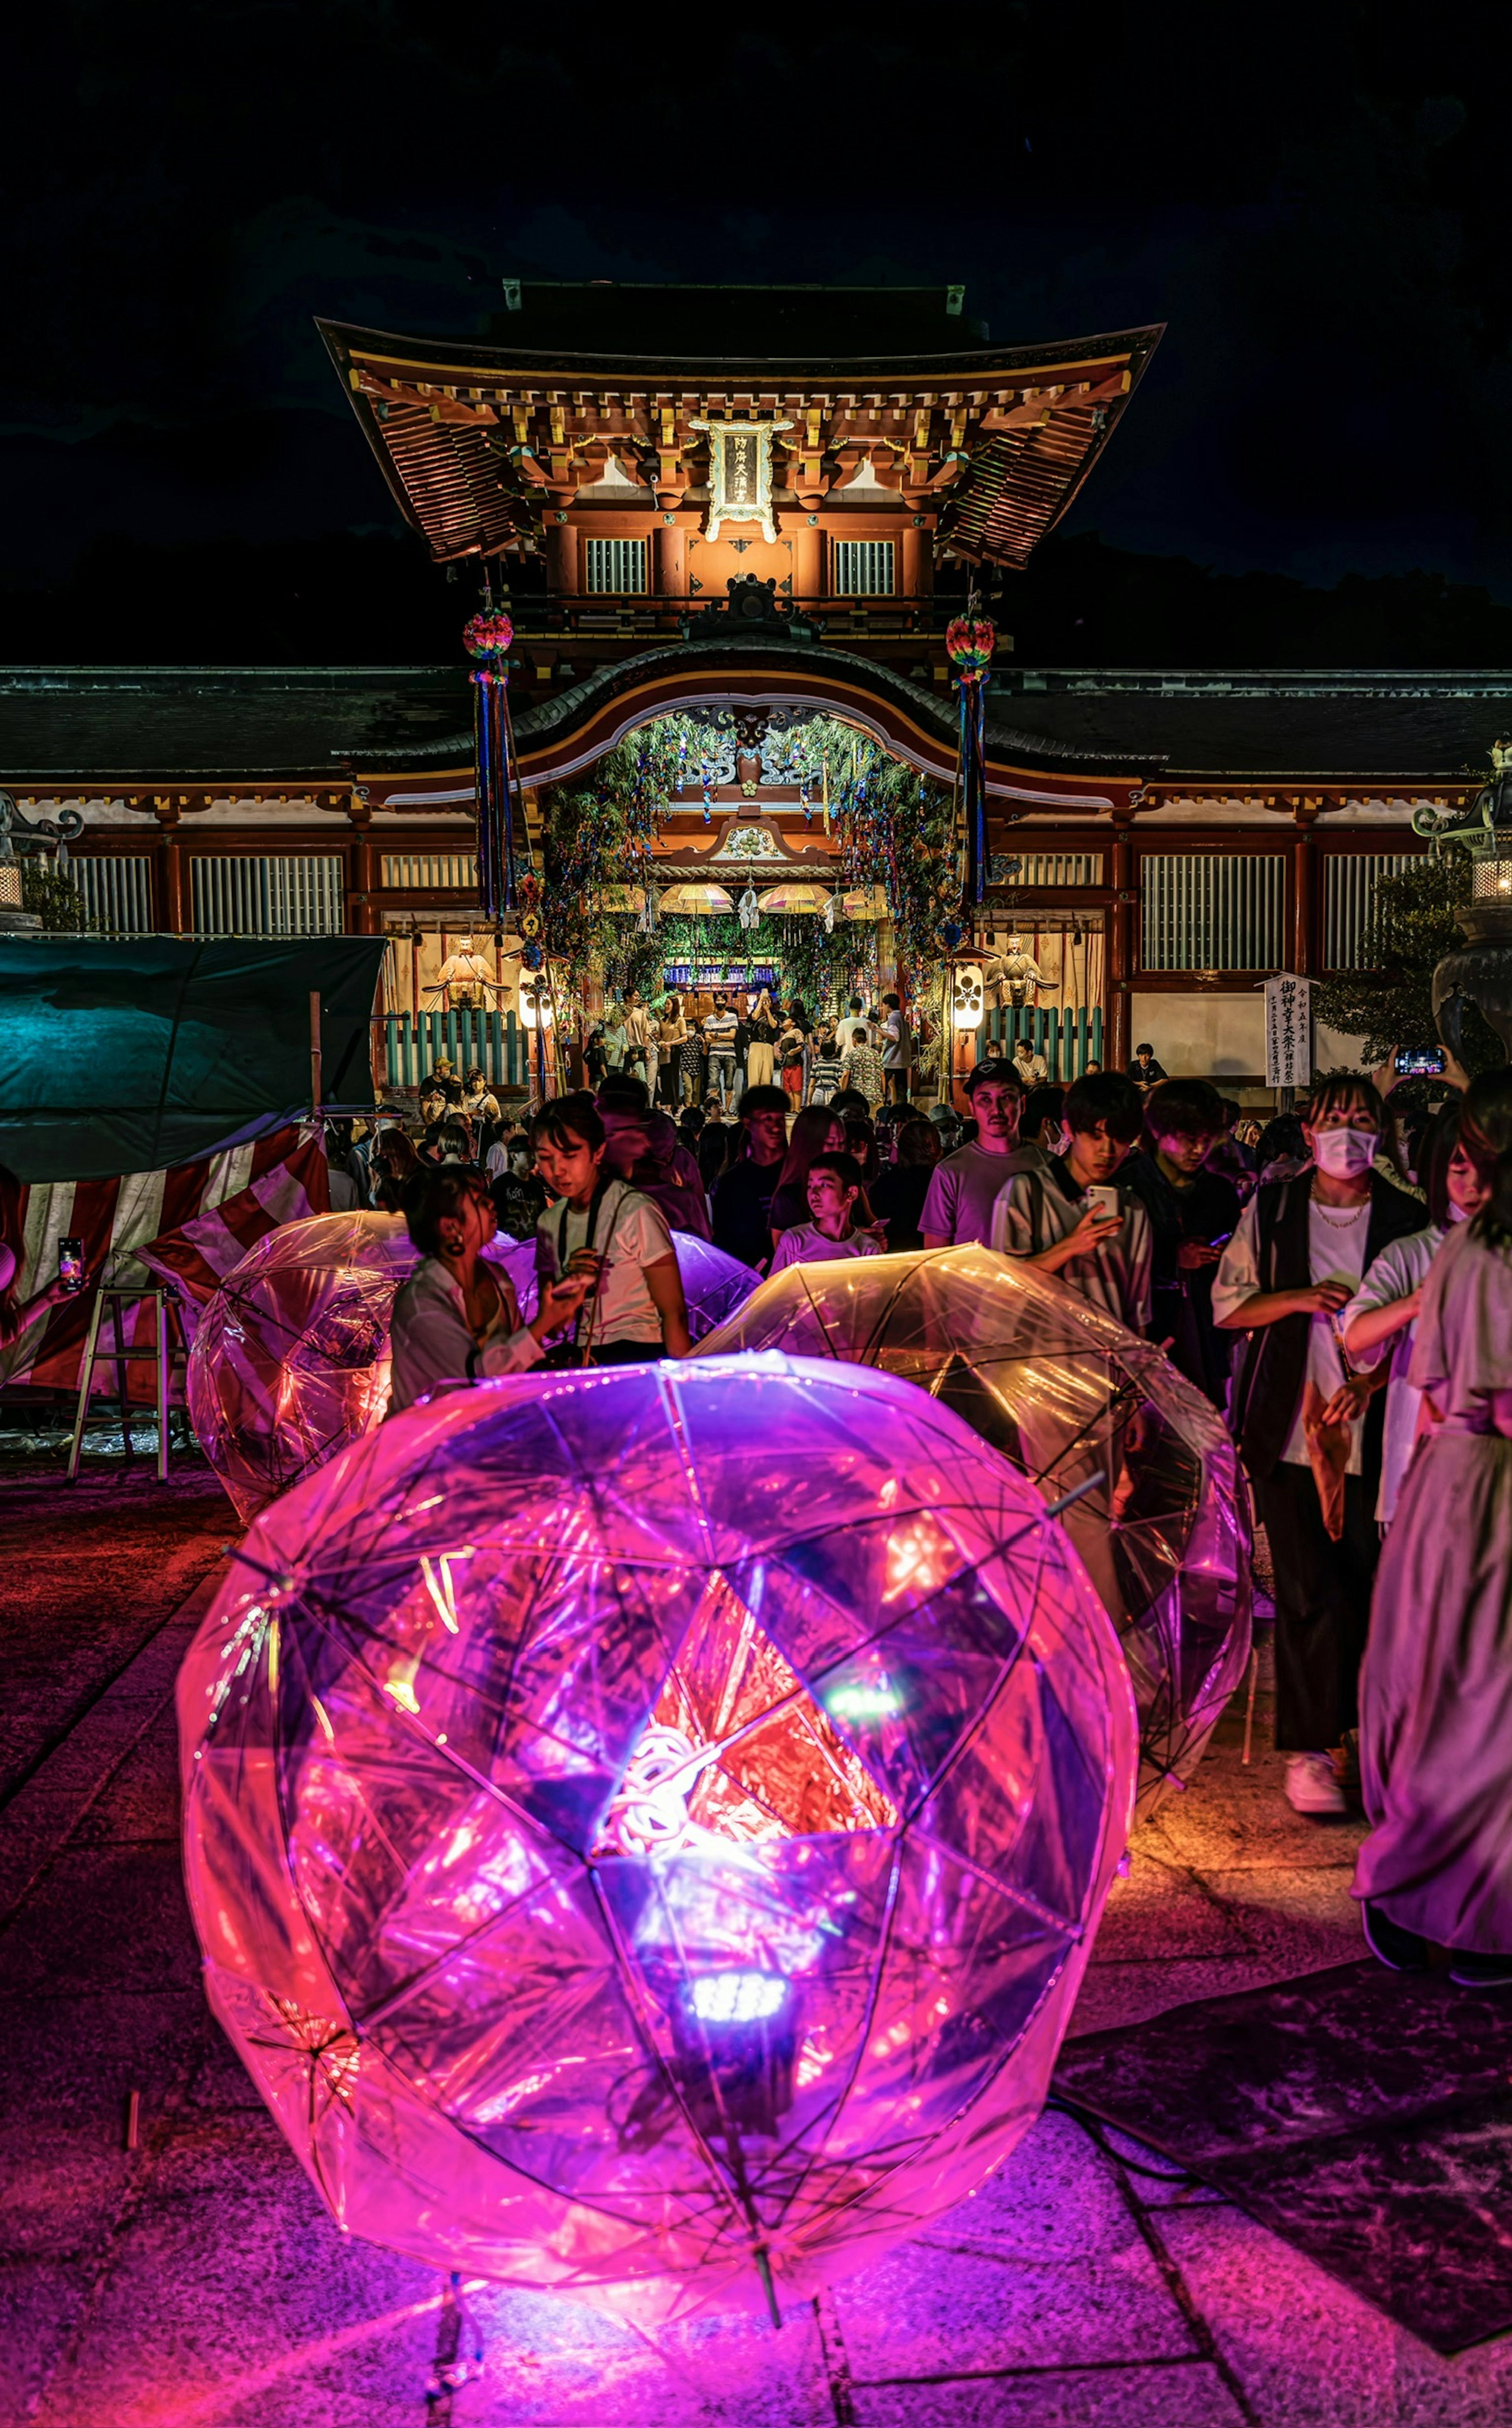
column 197, row 2280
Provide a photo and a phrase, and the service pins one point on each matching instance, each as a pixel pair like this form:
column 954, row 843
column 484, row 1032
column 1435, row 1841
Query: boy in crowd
column 746, row 1187
column 834, row 1193
column 966, row 1185
column 1048, row 1218
column 1194, row 1213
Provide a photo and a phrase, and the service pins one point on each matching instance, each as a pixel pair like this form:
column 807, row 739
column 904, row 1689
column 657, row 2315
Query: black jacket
column 1275, row 1355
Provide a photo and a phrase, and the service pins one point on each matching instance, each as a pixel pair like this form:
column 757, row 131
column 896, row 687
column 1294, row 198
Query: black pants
column 1322, row 1603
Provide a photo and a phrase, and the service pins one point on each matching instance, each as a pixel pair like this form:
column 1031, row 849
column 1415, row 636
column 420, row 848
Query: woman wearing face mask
column 1435, row 1691
column 1295, row 1261
column 1380, row 1321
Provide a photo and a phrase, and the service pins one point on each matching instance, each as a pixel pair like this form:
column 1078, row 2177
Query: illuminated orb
column 1063, row 1392
column 645, row 1828
column 290, row 1356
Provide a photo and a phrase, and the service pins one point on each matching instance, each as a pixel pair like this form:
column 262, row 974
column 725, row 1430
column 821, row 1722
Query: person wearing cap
column 966, row 1185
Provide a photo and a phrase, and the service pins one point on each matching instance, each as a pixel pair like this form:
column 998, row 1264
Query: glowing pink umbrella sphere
column 645, row 1828
column 290, row 1357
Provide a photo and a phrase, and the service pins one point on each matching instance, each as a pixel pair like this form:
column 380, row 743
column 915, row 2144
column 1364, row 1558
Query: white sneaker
column 1312, row 1785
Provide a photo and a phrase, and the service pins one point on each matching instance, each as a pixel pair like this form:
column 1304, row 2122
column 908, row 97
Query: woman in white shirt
column 456, row 1316
column 611, row 1238
column 1381, row 1319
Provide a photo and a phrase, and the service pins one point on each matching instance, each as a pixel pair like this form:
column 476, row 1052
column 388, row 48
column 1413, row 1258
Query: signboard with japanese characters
column 1287, row 1032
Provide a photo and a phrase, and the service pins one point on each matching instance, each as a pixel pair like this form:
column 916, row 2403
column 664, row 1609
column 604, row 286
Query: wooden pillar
column 170, row 908
column 361, row 912
column 808, row 555
column 670, row 579
column 1305, row 888
column 1121, row 947
column 911, row 566
column 561, row 558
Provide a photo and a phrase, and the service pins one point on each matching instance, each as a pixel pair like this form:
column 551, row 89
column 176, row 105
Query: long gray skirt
column 1436, row 1701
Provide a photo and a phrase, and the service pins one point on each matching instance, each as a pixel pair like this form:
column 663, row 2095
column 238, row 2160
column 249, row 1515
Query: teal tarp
column 130, row 1056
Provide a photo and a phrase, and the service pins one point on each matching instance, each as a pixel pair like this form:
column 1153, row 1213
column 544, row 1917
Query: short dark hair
column 435, row 1192
column 916, row 1139
column 1106, row 1096
column 892, row 1002
column 1184, row 1108
column 1046, row 1103
column 761, row 1099
column 993, row 1068
column 845, row 1167
column 858, row 1034
column 1231, row 1110
column 855, row 1003
column 1145, row 1049
column 571, row 1120
column 1344, row 1087
column 1282, row 1136
column 846, row 1101
column 622, row 1091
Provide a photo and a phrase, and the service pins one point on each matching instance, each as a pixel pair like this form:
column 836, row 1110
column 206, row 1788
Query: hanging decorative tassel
column 968, row 643
column 487, row 638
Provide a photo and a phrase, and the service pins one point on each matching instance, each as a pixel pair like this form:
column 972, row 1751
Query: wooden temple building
column 768, row 502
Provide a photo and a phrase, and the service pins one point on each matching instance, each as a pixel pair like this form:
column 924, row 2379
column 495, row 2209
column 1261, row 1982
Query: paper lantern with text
column 290, row 1357
column 1064, row 1393
column 645, row 1827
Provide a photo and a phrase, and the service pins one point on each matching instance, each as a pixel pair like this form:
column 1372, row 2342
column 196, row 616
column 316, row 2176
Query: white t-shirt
column 1336, row 1252
column 846, row 1028
column 1397, row 1271
column 631, row 1233
column 806, row 1244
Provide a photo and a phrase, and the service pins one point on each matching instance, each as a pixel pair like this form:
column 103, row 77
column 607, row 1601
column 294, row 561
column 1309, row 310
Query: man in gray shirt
column 966, row 1185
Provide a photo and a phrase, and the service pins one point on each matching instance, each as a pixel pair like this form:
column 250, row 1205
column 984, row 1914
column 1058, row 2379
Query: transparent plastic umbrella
column 1065, row 1395
column 645, row 1827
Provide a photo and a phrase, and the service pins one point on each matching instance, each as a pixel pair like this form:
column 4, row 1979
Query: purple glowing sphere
column 645, row 1828
column 290, row 1357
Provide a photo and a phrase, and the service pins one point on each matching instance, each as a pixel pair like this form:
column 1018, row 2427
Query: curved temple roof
column 479, row 441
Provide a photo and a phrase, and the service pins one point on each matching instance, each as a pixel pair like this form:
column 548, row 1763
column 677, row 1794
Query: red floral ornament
column 488, row 635
column 970, row 642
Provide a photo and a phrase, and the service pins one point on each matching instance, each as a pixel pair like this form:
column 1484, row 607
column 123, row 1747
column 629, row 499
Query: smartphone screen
column 1419, row 1062
column 70, row 1263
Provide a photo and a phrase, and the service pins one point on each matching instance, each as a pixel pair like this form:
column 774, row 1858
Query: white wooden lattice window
column 614, row 565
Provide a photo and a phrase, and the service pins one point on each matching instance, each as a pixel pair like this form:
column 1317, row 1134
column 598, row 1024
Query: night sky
column 1317, row 469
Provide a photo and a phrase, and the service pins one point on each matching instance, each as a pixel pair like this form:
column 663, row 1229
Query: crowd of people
column 1337, row 1282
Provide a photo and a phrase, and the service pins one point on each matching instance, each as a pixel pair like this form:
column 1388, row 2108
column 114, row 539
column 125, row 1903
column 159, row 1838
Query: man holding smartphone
column 1072, row 1219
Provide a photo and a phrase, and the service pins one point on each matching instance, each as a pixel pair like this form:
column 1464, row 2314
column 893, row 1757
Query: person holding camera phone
column 1072, row 1218
column 70, row 1279
column 606, row 1233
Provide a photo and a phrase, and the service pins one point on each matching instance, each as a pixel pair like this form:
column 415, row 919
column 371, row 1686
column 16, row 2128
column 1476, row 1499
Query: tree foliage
column 1389, row 1001
column 51, row 895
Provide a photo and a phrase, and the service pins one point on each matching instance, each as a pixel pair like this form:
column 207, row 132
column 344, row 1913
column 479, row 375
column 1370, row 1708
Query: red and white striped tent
column 190, row 1225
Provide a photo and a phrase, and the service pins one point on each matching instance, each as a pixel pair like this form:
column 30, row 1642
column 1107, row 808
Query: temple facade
column 753, row 509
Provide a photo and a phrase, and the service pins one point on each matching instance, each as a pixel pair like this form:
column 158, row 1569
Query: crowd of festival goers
column 1337, row 1283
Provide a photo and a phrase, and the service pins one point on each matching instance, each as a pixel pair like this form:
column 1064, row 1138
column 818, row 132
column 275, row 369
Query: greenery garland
column 895, row 826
